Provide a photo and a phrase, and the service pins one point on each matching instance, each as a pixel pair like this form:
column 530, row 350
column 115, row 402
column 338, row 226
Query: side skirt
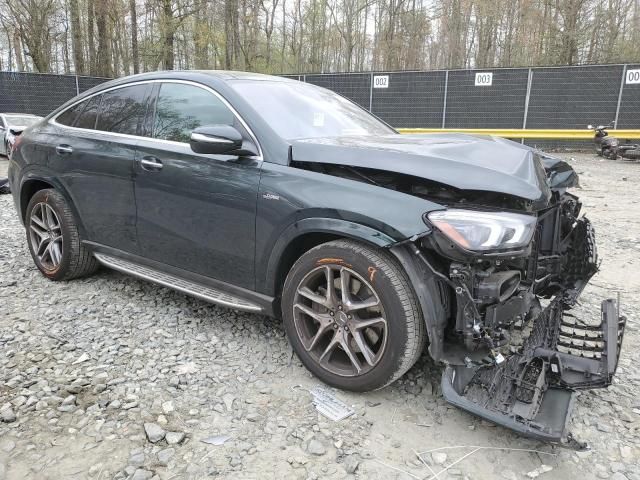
column 198, row 286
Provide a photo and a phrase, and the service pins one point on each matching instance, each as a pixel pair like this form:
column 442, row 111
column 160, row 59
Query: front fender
column 300, row 228
column 293, row 202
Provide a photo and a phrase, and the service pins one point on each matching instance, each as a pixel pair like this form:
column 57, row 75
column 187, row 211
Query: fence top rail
column 369, row 72
column 536, row 67
column 15, row 72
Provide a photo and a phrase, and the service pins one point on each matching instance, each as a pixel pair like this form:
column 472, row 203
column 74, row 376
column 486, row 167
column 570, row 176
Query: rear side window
column 68, row 117
column 122, row 110
column 88, row 116
column 181, row 108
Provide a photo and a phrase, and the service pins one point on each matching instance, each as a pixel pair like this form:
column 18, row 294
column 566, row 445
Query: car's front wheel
column 352, row 315
column 54, row 238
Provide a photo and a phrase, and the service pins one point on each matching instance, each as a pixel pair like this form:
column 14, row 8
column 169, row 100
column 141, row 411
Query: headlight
column 482, row 231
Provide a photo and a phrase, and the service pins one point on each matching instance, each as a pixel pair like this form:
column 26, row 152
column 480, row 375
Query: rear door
column 195, row 212
column 95, row 153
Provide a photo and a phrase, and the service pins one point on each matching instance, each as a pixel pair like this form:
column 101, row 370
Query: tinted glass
column 88, row 116
column 300, row 110
column 122, row 110
column 181, row 108
column 70, row 114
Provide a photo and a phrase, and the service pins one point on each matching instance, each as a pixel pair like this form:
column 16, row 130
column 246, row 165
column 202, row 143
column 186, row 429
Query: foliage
column 119, row 37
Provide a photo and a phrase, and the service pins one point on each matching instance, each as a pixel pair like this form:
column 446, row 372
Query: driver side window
column 181, row 108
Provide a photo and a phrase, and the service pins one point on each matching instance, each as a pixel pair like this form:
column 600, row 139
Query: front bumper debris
column 532, row 391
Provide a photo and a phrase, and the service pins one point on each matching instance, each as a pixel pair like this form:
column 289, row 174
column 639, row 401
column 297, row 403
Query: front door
column 195, row 212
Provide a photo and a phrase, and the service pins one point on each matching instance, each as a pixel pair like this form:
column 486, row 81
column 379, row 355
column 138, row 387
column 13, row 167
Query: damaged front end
column 504, row 259
column 514, row 353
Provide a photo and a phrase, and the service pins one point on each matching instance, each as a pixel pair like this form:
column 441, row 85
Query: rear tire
column 54, row 239
column 384, row 339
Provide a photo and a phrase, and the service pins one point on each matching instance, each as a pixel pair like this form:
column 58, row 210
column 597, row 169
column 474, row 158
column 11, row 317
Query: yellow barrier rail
column 527, row 133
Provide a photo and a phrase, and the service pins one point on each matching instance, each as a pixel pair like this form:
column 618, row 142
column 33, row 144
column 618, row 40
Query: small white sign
column 484, row 79
column 381, row 81
column 633, row 76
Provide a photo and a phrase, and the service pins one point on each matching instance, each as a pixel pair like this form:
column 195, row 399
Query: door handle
column 64, row 150
column 150, row 163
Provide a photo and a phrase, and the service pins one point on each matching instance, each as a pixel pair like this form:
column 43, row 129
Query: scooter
column 609, row 147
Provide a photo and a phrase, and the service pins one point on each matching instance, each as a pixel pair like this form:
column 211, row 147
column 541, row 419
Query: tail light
column 16, row 142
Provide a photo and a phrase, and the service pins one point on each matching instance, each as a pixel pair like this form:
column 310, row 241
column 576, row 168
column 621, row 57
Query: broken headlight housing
column 484, row 231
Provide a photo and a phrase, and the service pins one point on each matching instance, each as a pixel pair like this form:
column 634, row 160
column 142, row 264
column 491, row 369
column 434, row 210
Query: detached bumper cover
column 532, row 391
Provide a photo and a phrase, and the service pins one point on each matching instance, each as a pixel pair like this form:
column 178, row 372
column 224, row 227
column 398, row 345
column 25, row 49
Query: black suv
column 279, row 197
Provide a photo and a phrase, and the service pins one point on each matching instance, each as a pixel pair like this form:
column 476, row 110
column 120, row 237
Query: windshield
column 18, row 121
column 299, row 110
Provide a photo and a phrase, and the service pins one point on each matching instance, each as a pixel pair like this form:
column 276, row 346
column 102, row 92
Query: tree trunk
column 76, row 37
column 91, row 47
column 570, row 15
column 17, row 46
column 201, row 36
column 230, row 33
column 169, row 34
column 103, row 67
column 135, row 55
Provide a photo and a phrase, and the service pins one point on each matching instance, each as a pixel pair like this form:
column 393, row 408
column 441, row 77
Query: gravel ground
column 95, row 373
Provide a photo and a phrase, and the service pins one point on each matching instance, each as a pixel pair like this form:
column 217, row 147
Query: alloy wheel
column 340, row 320
column 45, row 234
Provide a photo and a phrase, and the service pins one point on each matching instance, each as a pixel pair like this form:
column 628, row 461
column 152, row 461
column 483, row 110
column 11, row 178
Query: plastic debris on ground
column 216, row 440
column 328, row 405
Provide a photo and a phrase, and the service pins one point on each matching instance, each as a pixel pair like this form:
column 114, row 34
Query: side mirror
column 216, row 139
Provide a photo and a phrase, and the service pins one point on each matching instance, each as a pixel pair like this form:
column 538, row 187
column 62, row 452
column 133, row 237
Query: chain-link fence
column 40, row 94
column 503, row 98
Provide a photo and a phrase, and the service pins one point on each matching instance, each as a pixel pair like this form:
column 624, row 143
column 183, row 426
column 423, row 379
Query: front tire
column 352, row 316
column 54, row 239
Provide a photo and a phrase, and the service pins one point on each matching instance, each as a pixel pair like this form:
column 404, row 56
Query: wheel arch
column 306, row 234
column 430, row 293
column 28, row 190
column 31, row 185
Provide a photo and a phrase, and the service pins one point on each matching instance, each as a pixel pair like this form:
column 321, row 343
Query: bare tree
column 76, row 34
column 111, row 37
column 33, row 21
column 135, row 54
column 103, row 56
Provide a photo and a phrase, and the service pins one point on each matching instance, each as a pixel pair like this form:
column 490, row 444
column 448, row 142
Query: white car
column 12, row 123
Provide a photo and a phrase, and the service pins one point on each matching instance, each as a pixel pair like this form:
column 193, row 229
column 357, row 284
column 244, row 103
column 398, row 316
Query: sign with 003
column 484, row 79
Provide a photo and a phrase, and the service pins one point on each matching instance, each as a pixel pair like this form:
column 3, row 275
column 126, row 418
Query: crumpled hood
column 466, row 162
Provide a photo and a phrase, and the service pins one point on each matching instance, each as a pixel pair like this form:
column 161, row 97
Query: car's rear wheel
column 352, row 316
column 54, row 239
